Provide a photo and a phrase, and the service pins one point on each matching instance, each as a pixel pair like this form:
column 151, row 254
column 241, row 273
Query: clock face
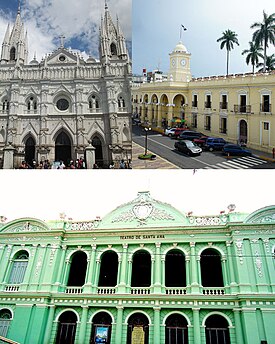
column 183, row 62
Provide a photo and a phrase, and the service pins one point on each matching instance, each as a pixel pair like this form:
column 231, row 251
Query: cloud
column 78, row 21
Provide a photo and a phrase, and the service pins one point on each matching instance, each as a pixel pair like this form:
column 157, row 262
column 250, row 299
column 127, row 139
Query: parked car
column 232, row 149
column 178, row 131
column 188, row 147
column 189, row 135
column 200, row 141
column 214, row 143
column 170, row 132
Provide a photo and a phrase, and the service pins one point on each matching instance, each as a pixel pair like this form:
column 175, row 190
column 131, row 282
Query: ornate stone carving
column 82, row 226
column 208, row 220
column 239, row 245
column 258, row 263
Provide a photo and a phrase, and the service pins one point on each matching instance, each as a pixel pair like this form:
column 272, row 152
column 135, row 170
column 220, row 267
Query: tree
column 265, row 33
column 253, row 54
column 228, row 39
column 269, row 64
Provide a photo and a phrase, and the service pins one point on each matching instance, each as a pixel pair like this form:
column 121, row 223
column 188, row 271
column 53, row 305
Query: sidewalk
column 161, row 163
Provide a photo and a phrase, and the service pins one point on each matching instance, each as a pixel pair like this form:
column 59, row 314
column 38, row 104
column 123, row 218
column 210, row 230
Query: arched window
column 93, row 103
column 216, row 330
column 5, row 318
column 32, row 104
column 141, row 271
column 5, row 106
column 12, row 54
column 113, row 49
column 211, row 268
column 19, row 267
column 121, row 103
column 108, row 270
column 78, row 269
column 175, row 258
column 176, row 331
column 66, row 328
column 102, row 328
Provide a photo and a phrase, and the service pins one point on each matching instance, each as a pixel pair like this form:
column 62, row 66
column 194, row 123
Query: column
column 238, row 326
column 196, row 325
column 268, row 262
column 48, row 329
column 157, row 325
column 118, row 337
column 157, row 284
column 225, row 274
column 5, row 267
column 123, row 270
column 152, row 272
column 83, row 325
column 96, row 276
column 90, row 271
column 130, row 261
column 187, row 272
column 194, row 270
column 231, row 271
column 29, row 271
column 59, row 279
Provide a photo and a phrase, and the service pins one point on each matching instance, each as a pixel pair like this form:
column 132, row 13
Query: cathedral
column 64, row 107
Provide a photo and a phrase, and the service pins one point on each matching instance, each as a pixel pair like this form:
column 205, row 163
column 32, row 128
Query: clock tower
column 180, row 64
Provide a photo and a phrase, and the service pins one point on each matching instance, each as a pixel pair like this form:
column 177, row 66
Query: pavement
column 161, row 163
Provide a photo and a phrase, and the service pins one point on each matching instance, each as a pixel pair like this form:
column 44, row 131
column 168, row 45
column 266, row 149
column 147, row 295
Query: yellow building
column 237, row 107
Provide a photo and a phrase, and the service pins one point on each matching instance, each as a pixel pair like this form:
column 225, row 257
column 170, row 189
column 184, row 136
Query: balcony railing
column 106, row 290
column 194, row 104
column 265, row 107
column 12, row 288
column 74, row 290
column 223, row 106
column 175, row 291
column 242, row 108
column 213, row 291
column 207, row 105
column 140, row 291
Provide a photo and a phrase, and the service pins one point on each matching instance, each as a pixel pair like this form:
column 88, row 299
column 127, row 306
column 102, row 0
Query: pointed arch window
column 32, row 105
column 12, row 54
column 113, row 49
column 94, row 103
column 5, row 106
column 121, row 104
column 19, row 267
column 5, row 319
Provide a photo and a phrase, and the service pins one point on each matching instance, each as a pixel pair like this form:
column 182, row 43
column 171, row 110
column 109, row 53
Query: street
column 164, row 147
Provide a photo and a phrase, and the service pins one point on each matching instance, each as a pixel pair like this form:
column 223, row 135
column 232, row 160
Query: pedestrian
column 122, row 164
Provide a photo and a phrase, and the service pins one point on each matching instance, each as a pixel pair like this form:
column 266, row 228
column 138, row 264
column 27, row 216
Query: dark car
column 188, row 147
column 189, row 135
column 232, row 149
column 214, row 143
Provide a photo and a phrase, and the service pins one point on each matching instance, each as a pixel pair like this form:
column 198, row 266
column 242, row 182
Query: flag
column 184, row 28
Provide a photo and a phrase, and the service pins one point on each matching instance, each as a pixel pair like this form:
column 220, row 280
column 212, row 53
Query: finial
column 62, row 37
column 19, row 6
column 106, row 6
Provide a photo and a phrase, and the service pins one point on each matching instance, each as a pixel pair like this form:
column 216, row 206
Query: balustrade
column 175, row 291
column 12, row 288
column 140, row 291
column 74, row 290
column 213, row 291
column 106, row 290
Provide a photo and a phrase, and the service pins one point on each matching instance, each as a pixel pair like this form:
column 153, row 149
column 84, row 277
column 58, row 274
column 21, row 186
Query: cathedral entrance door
column 138, row 329
column 30, row 151
column 96, row 142
column 63, row 148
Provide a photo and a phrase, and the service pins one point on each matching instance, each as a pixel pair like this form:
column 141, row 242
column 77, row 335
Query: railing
column 207, row 105
column 106, row 290
column 265, row 107
column 223, row 106
column 12, row 288
column 95, row 110
column 194, row 104
column 74, row 290
column 242, row 108
column 175, row 291
column 213, row 291
column 6, row 340
column 140, row 291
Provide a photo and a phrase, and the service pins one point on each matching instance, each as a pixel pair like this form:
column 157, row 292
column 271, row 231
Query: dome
column 91, row 60
column 143, row 211
column 180, row 48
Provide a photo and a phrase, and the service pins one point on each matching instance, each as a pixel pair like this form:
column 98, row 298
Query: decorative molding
column 239, row 245
column 258, row 263
column 208, row 220
column 82, row 226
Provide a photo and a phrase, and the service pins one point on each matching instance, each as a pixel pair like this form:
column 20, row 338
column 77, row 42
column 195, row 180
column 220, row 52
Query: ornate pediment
column 25, row 225
column 263, row 215
column 63, row 57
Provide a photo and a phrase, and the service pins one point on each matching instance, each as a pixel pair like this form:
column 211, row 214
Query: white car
column 170, row 132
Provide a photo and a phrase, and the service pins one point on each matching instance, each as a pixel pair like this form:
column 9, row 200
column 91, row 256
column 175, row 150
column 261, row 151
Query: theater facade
column 145, row 273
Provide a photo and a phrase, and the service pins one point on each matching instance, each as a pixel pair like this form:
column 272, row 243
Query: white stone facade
column 58, row 108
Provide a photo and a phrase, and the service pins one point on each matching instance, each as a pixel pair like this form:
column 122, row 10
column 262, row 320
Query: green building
column 144, row 274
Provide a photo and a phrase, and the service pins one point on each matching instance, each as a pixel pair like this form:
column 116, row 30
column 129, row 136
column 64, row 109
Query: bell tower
column 112, row 41
column 180, row 64
column 15, row 44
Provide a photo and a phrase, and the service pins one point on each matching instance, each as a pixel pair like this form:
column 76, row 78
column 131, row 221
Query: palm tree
column 253, row 54
column 228, row 39
column 265, row 33
column 269, row 64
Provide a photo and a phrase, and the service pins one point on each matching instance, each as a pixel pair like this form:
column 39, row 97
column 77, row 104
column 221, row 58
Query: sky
column 83, row 195
column 78, row 21
column 156, row 31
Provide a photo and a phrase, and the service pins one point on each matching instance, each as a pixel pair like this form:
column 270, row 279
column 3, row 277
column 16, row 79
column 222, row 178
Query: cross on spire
column 62, row 38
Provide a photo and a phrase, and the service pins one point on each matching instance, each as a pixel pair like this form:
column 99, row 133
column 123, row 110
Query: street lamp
column 146, row 138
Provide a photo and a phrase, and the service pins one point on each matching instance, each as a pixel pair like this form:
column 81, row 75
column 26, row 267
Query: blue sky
column 46, row 20
column 156, row 31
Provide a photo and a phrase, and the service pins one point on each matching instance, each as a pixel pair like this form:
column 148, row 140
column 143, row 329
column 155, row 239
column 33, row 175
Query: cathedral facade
column 145, row 273
column 65, row 108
